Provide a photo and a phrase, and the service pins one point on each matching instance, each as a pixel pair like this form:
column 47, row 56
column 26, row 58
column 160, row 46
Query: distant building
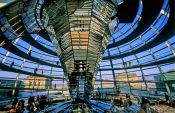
column 169, row 78
column 38, row 82
column 122, row 81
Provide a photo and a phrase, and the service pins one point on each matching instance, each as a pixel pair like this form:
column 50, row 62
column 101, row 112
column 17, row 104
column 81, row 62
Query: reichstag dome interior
column 87, row 56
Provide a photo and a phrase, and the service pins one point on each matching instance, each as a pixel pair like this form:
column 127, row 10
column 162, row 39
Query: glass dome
column 136, row 57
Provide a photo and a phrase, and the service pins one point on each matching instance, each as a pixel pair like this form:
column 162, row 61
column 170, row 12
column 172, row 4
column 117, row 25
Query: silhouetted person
column 129, row 63
column 129, row 103
column 30, row 53
column 57, row 62
column 12, row 64
column 87, row 68
column 19, row 108
column 167, row 97
column 145, row 105
column 31, row 108
column 15, row 101
column 21, row 102
column 121, row 101
column 37, row 102
column 55, row 86
column 138, row 100
column 32, row 99
column 35, row 70
column 29, row 100
column 128, row 97
column 99, row 94
column 42, row 71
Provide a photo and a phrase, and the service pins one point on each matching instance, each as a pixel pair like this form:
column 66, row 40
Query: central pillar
column 80, row 86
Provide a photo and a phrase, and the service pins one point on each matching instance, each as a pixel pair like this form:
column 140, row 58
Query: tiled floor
column 163, row 109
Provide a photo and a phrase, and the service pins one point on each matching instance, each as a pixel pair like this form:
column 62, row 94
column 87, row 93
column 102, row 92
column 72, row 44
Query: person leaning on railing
column 145, row 106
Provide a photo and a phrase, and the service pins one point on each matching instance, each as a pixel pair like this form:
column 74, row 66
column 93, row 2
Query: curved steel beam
column 39, row 46
column 10, row 47
column 7, row 68
column 166, row 34
column 150, row 12
column 166, row 61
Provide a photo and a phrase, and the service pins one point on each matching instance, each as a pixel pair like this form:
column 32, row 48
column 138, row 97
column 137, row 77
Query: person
column 129, row 103
column 167, row 98
column 35, row 70
column 37, row 102
column 15, row 102
column 57, row 62
column 128, row 98
column 19, row 108
column 42, row 72
column 98, row 92
column 12, row 64
column 33, row 99
column 125, row 103
column 29, row 100
column 31, row 107
column 121, row 101
column 129, row 63
column 87, row 68
column 145, row 105
column 138, row 100
column 55, row 86
column 21, row 102
column 30, row 52
column 131, row 108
